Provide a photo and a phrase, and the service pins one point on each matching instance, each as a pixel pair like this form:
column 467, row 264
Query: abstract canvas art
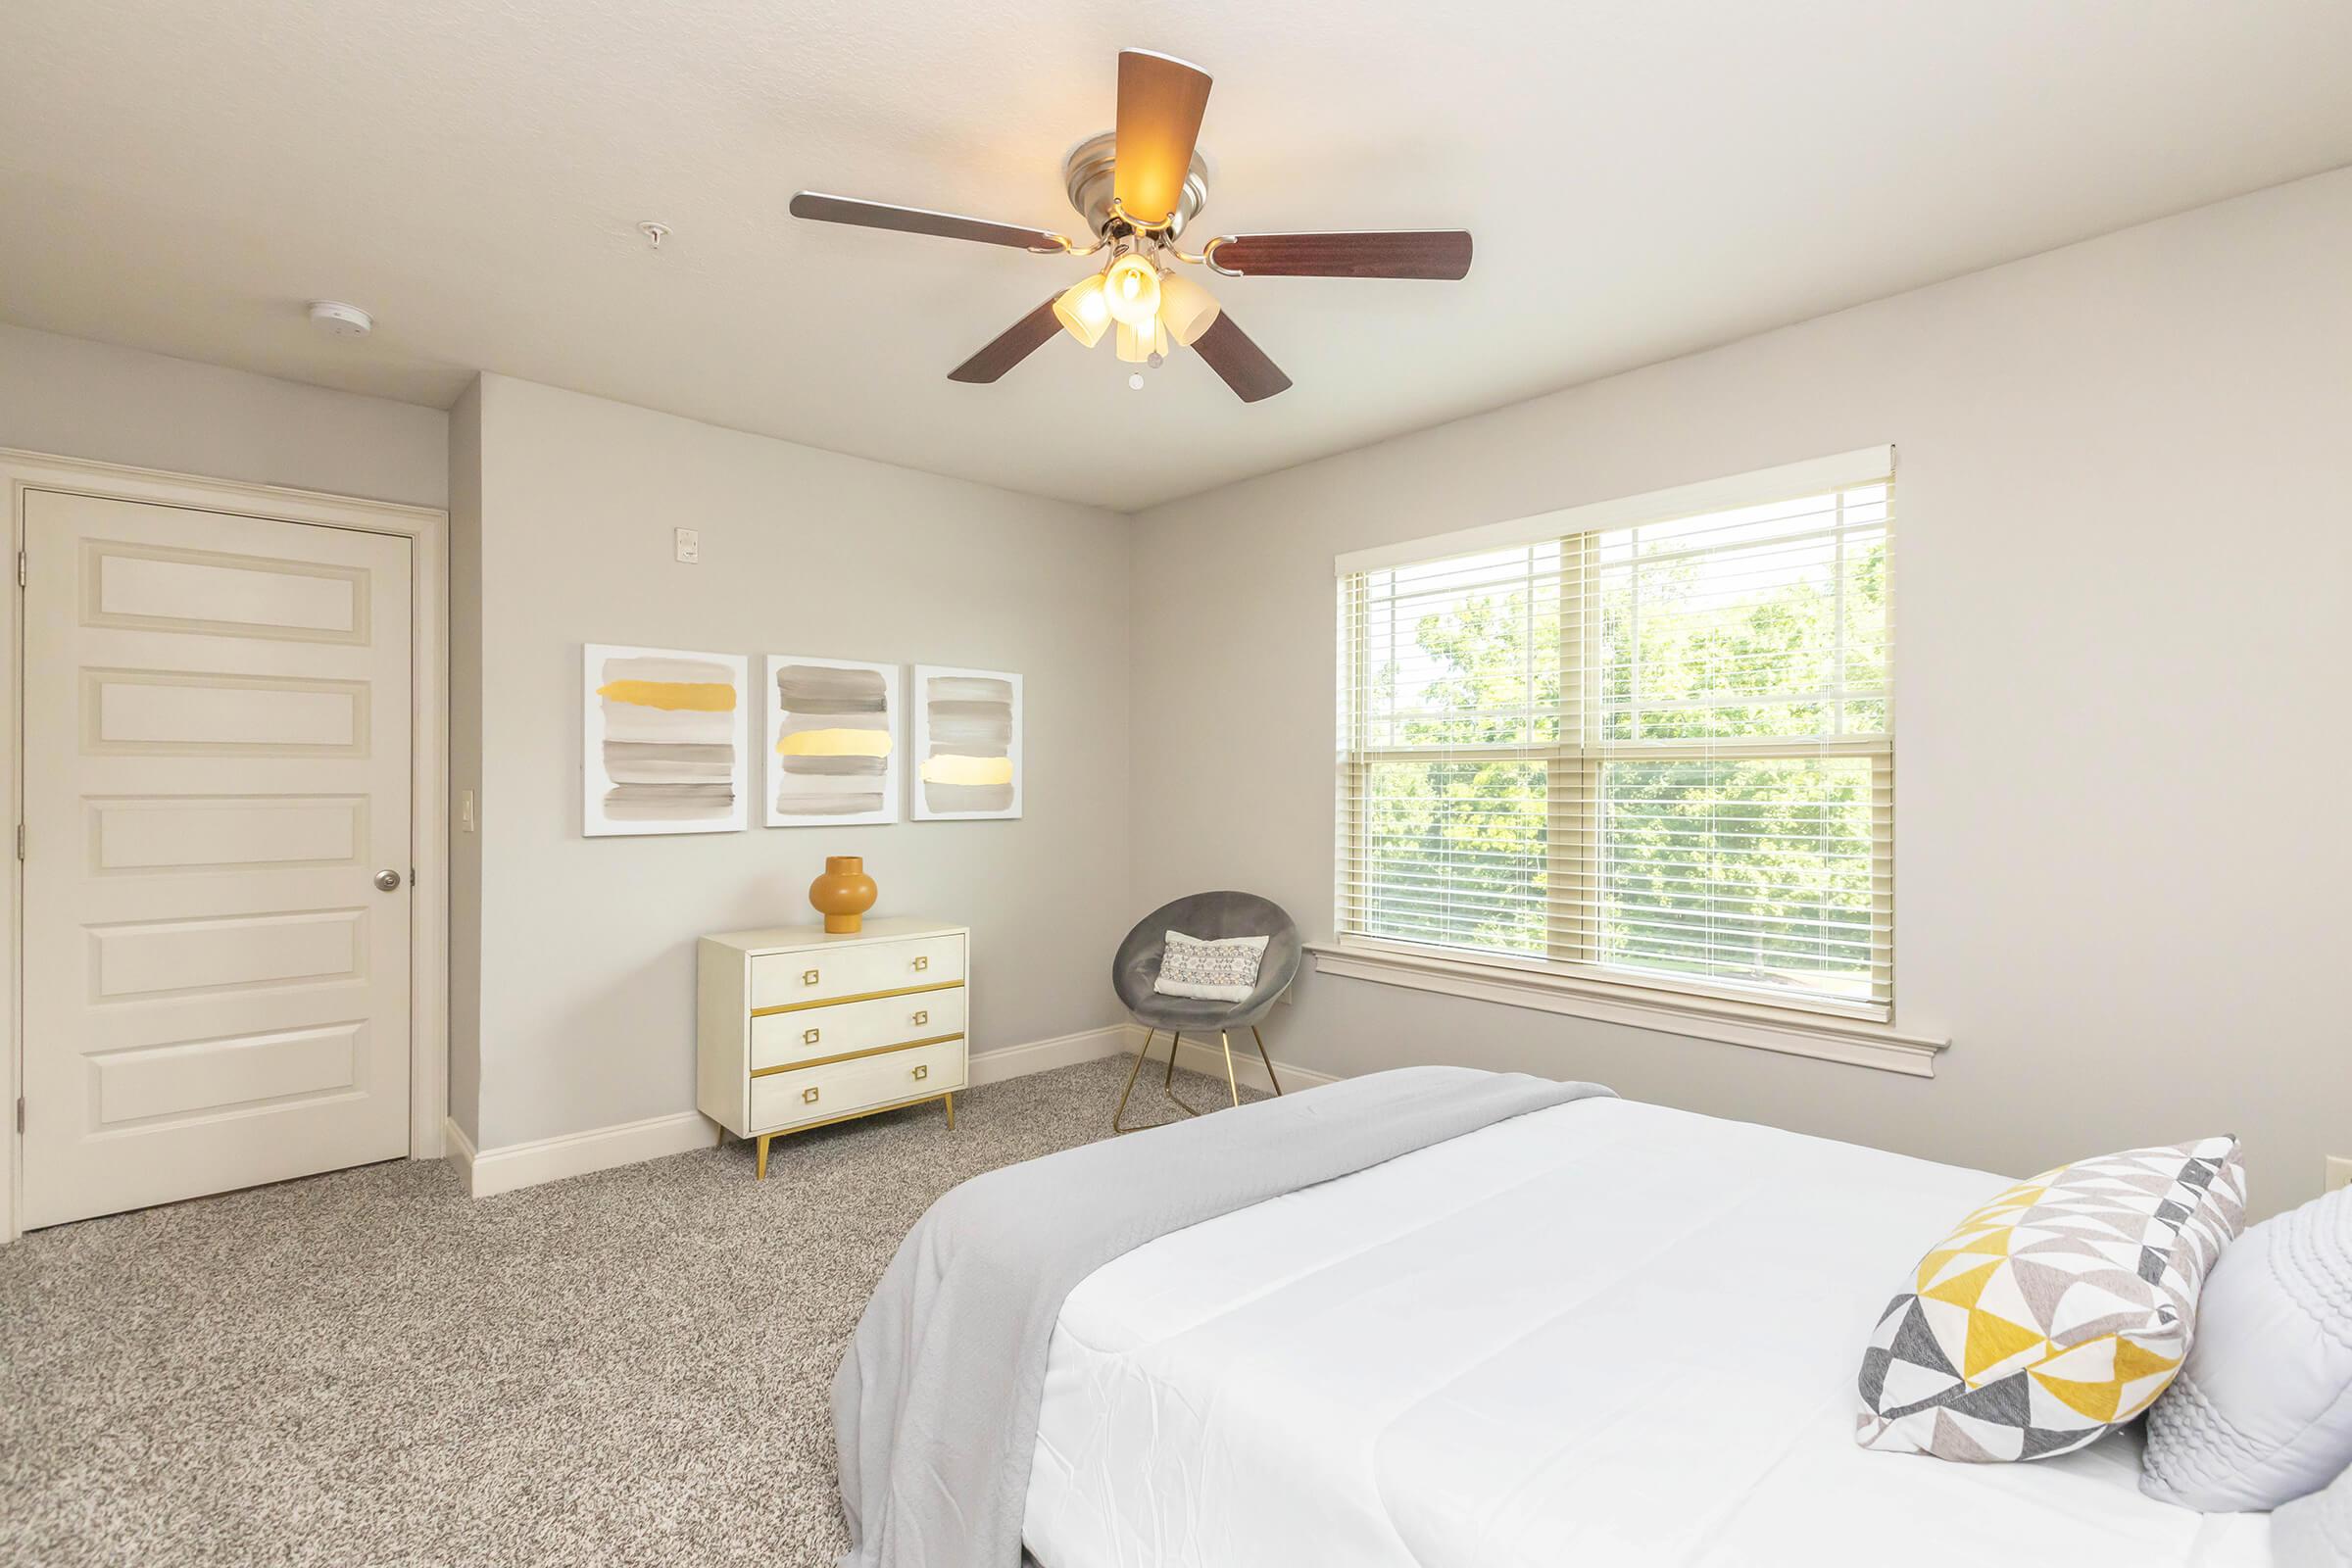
column 832, row 741
column 666, row 742
column 967, row 743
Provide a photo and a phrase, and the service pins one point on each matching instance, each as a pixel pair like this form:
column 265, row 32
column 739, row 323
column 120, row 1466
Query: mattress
column 1605, row 1333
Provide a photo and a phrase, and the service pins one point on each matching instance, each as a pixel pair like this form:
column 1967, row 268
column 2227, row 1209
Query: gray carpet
column 372, row 1368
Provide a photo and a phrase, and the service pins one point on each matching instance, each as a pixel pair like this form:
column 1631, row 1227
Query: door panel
column 147, row 713
column 217, row 762
column 197, row 834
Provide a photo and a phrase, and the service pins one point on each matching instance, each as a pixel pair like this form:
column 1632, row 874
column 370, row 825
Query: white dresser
column 796, row 1028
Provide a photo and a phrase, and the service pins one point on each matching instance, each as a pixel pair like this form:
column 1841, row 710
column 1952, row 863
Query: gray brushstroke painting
column 833, row 741
column 668, row 752
column 968, row 724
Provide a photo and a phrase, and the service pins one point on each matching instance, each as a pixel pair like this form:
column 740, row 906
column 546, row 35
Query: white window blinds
column 1650, row 741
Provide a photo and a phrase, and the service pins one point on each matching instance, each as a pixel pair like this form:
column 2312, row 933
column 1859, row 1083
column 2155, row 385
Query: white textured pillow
column 2262, row 1411
column 1220, row 970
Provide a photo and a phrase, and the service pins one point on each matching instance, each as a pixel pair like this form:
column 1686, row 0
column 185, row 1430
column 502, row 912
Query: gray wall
column 465, row 761
column 586, row 1015
column 2121, row 651
column 72, row 398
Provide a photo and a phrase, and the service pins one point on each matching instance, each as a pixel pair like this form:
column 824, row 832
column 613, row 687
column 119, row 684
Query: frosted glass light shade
column 1137, row 344
column 1131, row 287
column 1186, row 308
column 1083, row 312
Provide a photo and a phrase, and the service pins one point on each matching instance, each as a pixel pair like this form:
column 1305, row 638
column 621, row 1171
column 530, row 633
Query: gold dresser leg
column 764, row 1138
column 1262, row 1057
column 950, row 1111
column 1231, row 1082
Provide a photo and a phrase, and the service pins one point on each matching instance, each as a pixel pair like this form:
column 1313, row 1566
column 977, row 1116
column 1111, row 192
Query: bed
column 1606, row 1332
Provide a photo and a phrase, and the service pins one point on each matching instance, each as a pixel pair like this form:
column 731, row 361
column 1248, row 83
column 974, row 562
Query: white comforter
column 1606, row 1332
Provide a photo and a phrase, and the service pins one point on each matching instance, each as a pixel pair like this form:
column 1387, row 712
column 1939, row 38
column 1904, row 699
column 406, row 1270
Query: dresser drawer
column 829, row 974
column 816, row 1034
column 844, row 1088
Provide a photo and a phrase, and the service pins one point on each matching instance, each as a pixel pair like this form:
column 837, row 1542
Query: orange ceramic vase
column 843, row 894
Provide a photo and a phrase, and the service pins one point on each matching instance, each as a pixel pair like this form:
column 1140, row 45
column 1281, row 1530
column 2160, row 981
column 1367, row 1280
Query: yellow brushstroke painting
column 968, row 770
column 672, row 696
column 835, row 743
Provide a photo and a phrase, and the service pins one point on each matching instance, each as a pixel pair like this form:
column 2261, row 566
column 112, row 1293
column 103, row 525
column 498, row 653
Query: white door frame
column 428, row 935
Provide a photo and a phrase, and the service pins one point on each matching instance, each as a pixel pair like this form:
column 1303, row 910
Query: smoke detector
column 337, row 319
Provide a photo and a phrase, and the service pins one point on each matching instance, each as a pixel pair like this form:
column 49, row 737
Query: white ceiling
column 1644, row 178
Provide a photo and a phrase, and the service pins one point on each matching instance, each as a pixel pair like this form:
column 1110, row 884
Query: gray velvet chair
column 1207, row 915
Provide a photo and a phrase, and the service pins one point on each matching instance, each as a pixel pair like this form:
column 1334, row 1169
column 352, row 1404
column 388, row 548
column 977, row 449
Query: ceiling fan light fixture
column 1186, row 308
column 1083, row 311
column 1138, row 186
column 1131, row 287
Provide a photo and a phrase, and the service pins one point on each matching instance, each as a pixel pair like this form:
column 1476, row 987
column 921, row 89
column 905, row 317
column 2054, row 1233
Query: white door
column 216, row 731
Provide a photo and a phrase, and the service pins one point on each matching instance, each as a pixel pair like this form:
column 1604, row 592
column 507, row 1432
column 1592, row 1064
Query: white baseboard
column 1121, row 1039
column 551, row 1159
column 1043, row 1055
column 458, row 1150
column 1248, row 1069
column 490, row 1171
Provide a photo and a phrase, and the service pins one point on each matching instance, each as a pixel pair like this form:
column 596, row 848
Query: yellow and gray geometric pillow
column 2057, row 1311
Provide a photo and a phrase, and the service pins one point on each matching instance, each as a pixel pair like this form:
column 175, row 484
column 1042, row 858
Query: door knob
column 387, row 880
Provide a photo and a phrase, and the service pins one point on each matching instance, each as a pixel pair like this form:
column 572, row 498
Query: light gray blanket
column 934, row 1407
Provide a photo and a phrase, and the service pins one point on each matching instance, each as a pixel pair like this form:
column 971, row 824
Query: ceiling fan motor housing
column 1088, row 175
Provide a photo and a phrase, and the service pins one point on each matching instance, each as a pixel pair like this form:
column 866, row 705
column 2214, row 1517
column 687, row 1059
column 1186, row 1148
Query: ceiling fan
column 1138, row 186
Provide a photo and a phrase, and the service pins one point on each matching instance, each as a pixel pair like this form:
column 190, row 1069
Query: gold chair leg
column 1231, row 1083
column 763, row 1141
column 952, row 1112
column 1168, row 1082
column 1120, row 1109
column 1262, row 1057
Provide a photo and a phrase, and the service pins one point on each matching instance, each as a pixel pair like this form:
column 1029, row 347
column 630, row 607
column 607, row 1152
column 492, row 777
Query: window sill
column 1763, row 1027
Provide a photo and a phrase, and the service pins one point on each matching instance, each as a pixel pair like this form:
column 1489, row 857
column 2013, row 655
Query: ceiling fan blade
column 1241, row 363
column 1439, row 253
column 916, row 221
column 1011, row 346
column 1160, row 100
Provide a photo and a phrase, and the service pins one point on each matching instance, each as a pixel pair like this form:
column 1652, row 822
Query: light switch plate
column 689, row 546
column 466, row 810
column 2339, row 1173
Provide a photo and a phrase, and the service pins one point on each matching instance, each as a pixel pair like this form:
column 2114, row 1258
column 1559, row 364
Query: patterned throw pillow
column 1222, row 971
column 2057, row 1311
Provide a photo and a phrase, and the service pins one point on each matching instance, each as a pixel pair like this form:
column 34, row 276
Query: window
column 1650, row 742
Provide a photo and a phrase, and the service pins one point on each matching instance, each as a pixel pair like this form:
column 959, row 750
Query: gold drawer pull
column 807, row 1037
column 809, row 1097
column 922, row 964
column 921, row 1017
column 923, row 1072
column 807, row 977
